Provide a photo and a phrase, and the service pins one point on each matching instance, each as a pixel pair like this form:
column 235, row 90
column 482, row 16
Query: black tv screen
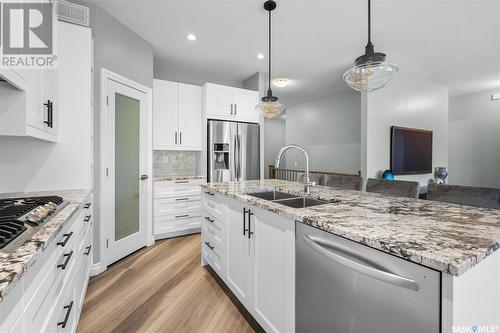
column 411, row 151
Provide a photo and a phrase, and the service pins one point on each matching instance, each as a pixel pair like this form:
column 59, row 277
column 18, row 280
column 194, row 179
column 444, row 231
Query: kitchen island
column 460, row 243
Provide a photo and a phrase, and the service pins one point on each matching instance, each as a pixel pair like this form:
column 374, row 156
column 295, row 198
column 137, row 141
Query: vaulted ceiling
column 455, row 43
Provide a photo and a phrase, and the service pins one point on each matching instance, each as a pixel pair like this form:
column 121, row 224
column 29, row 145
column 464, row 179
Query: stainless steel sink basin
column 290, row 200
column 302, row 202
column 273, row 195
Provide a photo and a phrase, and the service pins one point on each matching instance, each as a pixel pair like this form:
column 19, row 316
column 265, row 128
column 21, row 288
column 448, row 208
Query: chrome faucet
column 307, row 182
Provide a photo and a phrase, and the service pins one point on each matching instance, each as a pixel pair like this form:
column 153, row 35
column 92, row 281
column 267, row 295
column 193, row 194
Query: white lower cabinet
column 49, row 297
column 259, row 257
column 177, row 207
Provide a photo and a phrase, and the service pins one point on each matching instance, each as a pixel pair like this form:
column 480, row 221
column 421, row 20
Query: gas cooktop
column 20, row 218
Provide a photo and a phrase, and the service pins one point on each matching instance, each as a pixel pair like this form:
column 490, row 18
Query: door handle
column 327, row 250
column 235, row 109
column 180, row 138
column 244, row 221
column 49, row 113
column 231, row 109
column 144, row 177
column 175, row 137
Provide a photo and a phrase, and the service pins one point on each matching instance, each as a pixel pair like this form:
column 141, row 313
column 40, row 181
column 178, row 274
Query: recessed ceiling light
column 281, row 82
column 260, row 56
column 191, row 37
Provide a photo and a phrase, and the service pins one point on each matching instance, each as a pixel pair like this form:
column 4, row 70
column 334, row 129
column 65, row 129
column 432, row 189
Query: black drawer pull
column 211, row 194
column 68, row 236
column 181, row 199
column 209, row 219
column 87, row 218
column 250, row 232
column 210, row 246
column 66, row 316
column 182, row 182
column 68, row 257
column 87, row 206
column 181, row 216
column 88, row 250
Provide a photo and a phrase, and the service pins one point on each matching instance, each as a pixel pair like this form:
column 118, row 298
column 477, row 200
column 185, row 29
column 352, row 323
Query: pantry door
column 125, row 179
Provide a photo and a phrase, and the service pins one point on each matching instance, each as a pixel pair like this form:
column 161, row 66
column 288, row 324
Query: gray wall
column 275, row 131
column 120, row 50
column 329, row 128
column 407, row 101
column 474, row 138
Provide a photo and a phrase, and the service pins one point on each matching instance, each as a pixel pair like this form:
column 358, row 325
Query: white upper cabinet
column 176, row 116
column 29, row 99
column 228, row 103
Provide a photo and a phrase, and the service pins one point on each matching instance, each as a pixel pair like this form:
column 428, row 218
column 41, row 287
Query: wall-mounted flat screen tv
column 411, row 151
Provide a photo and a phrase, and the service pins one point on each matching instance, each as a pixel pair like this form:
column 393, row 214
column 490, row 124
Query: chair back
column 398, row 188
column 344, row 182
column 465, row 195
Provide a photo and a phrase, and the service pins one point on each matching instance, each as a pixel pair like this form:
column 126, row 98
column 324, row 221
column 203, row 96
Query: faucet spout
column 307, row 182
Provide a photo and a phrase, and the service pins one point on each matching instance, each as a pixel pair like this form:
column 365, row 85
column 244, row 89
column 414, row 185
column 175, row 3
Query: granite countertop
column 13, row 265
column 170, row 178
column 445, row 237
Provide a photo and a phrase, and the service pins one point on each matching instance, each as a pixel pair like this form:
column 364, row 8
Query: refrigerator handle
column 239, row 156
column 235, row 157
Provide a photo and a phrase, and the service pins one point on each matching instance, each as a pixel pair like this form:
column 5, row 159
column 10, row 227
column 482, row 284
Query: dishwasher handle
column 321, row 246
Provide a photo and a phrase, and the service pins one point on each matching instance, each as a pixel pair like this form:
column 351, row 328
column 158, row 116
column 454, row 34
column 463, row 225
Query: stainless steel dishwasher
column 343, row 286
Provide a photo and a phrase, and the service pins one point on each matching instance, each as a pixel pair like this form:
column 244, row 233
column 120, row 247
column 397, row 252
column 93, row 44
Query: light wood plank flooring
column 162, row 288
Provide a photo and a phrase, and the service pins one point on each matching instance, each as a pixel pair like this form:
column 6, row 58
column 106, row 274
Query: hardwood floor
column 162, row 288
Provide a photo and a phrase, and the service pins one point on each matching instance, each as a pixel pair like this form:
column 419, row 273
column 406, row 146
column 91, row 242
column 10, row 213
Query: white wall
column 28, row 164
column 474, row 138
column 329, row 128
column 407, row 101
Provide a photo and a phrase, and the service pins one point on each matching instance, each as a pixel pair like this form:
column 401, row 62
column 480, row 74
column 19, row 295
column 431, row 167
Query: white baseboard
column 178, row 233
column 97, row 269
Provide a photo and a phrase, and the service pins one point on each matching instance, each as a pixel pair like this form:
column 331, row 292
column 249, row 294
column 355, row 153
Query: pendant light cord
column 269, row 93
column 369, row 22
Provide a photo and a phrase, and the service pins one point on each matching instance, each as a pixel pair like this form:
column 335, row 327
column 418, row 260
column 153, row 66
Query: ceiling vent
column 73, row 13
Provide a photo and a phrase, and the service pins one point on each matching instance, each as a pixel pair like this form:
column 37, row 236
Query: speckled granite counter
column 169, row 178
column 14, row 265
column 446, row 237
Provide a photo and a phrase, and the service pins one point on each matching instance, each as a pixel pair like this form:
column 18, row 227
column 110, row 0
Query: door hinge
column 107, row 243
column 107, row 100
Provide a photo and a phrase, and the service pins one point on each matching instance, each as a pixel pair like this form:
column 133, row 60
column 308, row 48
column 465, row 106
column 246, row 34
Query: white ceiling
column 455, row 43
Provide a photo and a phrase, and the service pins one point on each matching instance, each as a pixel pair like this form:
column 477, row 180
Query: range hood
column 13, row 78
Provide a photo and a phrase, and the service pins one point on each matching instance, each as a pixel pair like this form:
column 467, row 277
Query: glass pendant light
column 270, row 107
column 370, row 71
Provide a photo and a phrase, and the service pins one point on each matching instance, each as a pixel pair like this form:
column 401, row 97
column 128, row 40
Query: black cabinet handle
column 210, row 246
column 250, row 233
column 87, row 218
column 88, row 250
column 66, row 239
column 49, row 120
column 66, row 316
column 87, row 206
column 244, row 221
column 68, row 257
column 182, row 181
column 211, row 194
column 181, row 216
column 181, row 199
column 209, row 219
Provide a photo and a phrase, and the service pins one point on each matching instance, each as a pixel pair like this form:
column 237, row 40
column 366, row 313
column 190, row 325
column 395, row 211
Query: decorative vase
column 440, row 174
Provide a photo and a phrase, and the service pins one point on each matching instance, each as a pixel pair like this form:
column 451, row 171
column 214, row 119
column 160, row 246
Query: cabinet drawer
column 186, row 221
column 213, row 254
column 177, row 206
column 63, row 317
column 214, row 227
column 177, row 188
column 211, row 204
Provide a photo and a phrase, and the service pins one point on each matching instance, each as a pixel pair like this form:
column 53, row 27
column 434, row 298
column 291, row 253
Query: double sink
column 290, row 200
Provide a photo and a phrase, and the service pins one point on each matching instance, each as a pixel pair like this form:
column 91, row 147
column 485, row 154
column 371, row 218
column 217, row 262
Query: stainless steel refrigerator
column 233, row 151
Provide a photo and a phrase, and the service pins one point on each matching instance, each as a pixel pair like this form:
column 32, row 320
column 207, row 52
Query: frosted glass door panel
column 127, row 131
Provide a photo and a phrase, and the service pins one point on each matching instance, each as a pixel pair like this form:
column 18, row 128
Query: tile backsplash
column 175, row 163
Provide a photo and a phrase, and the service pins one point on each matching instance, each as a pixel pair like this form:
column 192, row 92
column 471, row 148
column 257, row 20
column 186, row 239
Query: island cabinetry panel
column 177, row 208
column 259, row 256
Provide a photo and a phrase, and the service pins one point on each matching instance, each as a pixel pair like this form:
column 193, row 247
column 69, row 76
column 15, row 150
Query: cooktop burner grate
column 13, row 212
column 43, row 200
column 9, row 230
